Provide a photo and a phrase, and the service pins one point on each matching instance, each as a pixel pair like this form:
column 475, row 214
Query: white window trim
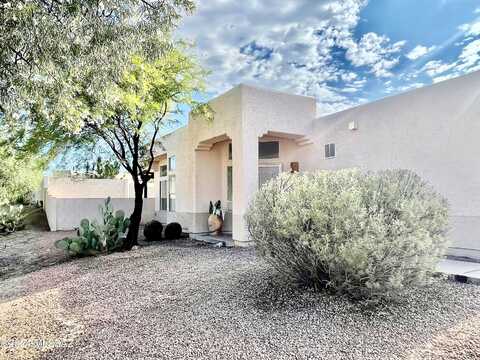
column 170, row 174
column 277, row 165
column 160, row 180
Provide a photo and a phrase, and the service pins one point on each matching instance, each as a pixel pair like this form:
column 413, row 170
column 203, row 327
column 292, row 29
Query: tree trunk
column 135, row 218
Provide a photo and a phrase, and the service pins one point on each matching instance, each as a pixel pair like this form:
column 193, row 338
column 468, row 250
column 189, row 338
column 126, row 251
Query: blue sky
column 343, row 52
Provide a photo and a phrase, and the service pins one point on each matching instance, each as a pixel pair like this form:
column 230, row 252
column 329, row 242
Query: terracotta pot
column 215, row 224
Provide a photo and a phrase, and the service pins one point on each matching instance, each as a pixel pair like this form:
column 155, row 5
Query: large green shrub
column 367, row 235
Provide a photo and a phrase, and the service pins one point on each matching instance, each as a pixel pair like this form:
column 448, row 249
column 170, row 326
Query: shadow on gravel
column 31, row 249
column 265, row 290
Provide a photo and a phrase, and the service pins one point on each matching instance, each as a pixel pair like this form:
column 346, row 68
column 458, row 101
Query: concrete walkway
column 462, row 268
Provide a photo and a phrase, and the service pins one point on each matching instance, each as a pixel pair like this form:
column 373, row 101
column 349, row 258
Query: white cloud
column 445, row 77
column 436, row 67
column 375, row 51
column 410, row 87
column 477, row 11
column 470, row 56
column 289, row 46
column 471, row 29
column 419, row 51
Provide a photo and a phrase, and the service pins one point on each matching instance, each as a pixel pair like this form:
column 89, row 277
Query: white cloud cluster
column 375, row 51
column 472, row 29
column 290, row 45
column 419, row 51
column 436, row 67
column 312, row 47
column 467, row 61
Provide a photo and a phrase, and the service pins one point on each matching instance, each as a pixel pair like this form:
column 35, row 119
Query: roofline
column 388, row 97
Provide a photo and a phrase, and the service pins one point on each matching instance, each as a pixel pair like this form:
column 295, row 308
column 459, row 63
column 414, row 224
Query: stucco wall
column 242, row 116
column 66, row 213
column 67, row 187
column 433, row 131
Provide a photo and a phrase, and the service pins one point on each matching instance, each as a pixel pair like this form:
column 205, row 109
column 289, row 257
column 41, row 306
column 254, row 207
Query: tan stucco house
column 257, row 133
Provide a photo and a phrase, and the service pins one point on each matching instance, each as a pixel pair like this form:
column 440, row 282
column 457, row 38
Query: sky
column 342, row 52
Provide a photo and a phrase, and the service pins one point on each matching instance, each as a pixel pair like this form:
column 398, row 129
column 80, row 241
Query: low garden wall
column 68, row 187
column 66, row 213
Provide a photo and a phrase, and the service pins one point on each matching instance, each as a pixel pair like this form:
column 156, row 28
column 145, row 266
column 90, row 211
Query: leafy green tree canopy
column 49, row 47
column 18, row 178
column 129, row 114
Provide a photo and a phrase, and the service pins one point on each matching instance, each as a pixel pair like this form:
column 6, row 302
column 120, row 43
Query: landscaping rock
column 183, row 301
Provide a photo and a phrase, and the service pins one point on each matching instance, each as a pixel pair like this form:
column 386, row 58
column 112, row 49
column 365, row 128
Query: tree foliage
column 127, row 115
column 50, row 46
column 79, row 72
column 19, row 178
column 99, row 169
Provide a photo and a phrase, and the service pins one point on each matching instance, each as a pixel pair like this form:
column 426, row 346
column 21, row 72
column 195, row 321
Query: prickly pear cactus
column 93, row 236
column 75, row 246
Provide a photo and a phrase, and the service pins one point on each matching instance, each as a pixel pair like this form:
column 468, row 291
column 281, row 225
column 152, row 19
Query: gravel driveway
column 185, row 301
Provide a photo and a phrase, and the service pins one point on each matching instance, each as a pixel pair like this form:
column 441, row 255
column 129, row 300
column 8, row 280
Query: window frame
column 163, row 170
column 274, row 156
column 330, row 151
column 172, row 160
column 278, row 166
column 172, row 195
column 163, row 185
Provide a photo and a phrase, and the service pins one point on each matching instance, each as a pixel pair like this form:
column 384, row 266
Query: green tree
column 47, row 46
column 106, row 169
column 128, row 115
column 99, row 169
column 19, row 178
column 76, row 71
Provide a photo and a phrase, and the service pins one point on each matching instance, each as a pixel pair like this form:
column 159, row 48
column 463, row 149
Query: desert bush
column 173, row 231
column 367, row 235
column 153, row 230
column 11, row 218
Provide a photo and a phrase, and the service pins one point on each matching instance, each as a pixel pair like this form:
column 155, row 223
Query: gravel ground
column 184, row 301
column 30, row 250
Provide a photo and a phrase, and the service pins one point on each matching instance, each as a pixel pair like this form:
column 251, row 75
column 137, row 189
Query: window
column 171, row 193
column 229, row 183
column 172, row 163
column 329, row 151
column 163, row 195
column 230, row 151
column 268, row 150
column 267, row 172
column 163, row 170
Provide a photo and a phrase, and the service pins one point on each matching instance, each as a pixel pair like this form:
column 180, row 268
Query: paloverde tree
column 46, row 43
column 74, row 71
column 129, row 115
